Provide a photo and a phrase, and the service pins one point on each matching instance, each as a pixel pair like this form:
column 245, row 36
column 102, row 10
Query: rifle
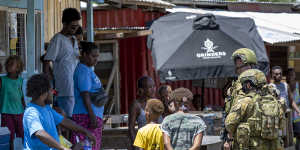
column 224, row 134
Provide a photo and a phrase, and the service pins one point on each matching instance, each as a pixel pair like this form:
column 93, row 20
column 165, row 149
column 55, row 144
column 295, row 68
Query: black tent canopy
column 188, row 46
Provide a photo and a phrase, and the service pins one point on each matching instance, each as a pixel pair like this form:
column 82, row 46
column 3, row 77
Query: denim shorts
column 66, row 103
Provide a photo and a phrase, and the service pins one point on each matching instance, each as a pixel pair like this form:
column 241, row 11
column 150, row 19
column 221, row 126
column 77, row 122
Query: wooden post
column 111, row 77
column 117, row 79
column 114, row 78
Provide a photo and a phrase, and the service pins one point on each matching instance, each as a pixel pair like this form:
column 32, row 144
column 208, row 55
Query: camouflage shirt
column 240, row 112
column 182, row 128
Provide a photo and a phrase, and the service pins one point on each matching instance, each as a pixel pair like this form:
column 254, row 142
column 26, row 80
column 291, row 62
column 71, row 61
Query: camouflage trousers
column 260, row 144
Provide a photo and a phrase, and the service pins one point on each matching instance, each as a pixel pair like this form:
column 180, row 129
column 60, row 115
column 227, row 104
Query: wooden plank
column 50, row 19
column 117, row 86
column 120, row 35
column 59, row 15
column 55, row 16
column 144, row 33
column 111, row 78
column 66, row 3
column 63, row 6
column 60, row 10
column 45, row 20
column 69, row 4
column 75, row 5
column 109, row 36
column 78, row 5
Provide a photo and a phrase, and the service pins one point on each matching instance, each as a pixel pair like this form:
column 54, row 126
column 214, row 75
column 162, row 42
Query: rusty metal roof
column 150, row 3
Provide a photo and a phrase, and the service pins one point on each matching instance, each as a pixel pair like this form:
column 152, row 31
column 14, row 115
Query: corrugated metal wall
column 136, row 60
column 124, row 17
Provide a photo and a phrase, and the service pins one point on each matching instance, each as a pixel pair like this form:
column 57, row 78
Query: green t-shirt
column 182, row 129
column 11, row 96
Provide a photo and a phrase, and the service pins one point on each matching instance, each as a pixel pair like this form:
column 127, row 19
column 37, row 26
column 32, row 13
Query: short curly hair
column 69, row 15
column 179, row 93
column 37, row 85
column 155, row 106
column 88, row 47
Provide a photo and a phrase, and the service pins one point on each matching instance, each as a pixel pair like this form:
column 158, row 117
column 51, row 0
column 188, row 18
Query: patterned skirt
column 84, row 120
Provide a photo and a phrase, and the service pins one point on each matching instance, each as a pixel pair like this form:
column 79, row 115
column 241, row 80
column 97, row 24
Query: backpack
column 267, row 119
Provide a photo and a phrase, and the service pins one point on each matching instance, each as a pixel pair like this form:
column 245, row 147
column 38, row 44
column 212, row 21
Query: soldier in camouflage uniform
column 255, row 119
column 244, row 59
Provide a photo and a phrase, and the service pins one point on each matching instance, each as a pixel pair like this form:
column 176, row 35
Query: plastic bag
column 64, row 142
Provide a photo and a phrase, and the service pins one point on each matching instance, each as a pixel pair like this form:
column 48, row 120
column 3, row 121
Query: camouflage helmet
column 247, row 55
column 257, row 77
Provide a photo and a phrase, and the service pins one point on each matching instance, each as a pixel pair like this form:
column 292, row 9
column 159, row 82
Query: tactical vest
column 267, row 119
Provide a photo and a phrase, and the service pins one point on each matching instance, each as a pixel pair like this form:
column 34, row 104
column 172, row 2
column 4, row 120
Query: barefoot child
column 12, row 102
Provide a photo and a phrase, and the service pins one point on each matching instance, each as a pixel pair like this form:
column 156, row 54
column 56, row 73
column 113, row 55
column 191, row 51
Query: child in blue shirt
column 40, row 119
